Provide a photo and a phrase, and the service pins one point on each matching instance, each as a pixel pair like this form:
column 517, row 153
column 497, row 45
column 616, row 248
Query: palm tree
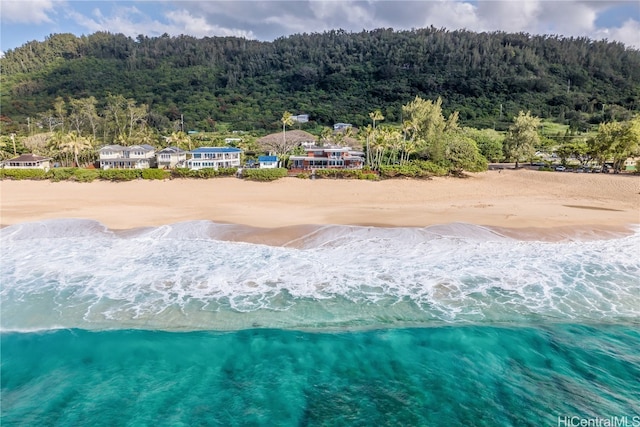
column 394, row 143
column 4, row 149
column 180, row 140
column 74, row 143
column 13, row 140
column 326, row 136
column 55, row 147
column 368, row 134
column 378, row 140
column 376, row 115
column 286, row 121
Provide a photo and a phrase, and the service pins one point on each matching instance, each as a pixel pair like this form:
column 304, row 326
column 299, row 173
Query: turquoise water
column 453, row 325
column 476, row 375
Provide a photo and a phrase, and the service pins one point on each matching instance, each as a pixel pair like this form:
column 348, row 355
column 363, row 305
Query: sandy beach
column 524, row 201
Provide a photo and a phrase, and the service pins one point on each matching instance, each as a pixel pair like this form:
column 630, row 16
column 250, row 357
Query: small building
column 268, row 162
column 28, row 161
column 342, row 126
column 630, row 164
column 328, row 158
column 301, row 118
column 170, row 157
column 214, row 157
column 133, row 157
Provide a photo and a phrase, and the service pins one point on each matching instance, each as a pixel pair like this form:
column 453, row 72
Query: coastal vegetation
column 422, row 102
column 334, row 76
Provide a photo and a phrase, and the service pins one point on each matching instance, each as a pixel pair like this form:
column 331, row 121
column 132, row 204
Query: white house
column 300, row 118
column 28, row 161
column 342, row 126
column 214, row 157
column 170, row 157
column 133, row 157
column 268, row 162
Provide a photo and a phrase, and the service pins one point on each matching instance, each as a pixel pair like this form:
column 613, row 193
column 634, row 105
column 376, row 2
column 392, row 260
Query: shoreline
column 522, row 204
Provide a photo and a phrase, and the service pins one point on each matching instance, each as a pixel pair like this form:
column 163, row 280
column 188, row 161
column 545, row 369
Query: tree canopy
column 333, row 76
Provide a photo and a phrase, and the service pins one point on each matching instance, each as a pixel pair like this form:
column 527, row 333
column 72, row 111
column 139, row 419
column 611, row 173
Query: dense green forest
column 488, row 78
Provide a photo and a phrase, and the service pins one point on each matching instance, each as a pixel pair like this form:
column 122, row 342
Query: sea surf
column 194, row 324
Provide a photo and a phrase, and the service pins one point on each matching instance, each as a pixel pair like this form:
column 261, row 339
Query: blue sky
column 26, row 20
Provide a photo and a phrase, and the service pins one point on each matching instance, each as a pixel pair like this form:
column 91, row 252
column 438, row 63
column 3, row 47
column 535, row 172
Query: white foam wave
column 181, row 277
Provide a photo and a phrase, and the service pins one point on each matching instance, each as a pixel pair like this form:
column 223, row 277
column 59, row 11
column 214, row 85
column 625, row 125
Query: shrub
column 370, row 176
column 227, row 171
column 346, row 174
column 60, row 174
column 154, row 174
column 264, row 174
column 85, row 175
column 204, row 173
column 180, row 173
column 19, row 174
column 432, row 168
column 413, row 169
column 303, row 175
column 120, row 174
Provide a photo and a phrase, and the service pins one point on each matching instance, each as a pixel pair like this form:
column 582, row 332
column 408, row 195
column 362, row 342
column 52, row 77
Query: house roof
column 116, row 147
column 325, row 159
column 28, row 158
column 145, row 147
column 267, row 158
column 216, row 150
column 124, row 160
column 172, row 150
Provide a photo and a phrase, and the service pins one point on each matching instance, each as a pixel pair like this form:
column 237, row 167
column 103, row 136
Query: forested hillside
column 333, row 77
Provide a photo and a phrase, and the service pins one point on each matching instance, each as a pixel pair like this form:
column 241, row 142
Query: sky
column 26, row 20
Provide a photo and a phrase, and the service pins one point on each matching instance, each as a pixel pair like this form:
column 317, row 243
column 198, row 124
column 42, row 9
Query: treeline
column 334, row 77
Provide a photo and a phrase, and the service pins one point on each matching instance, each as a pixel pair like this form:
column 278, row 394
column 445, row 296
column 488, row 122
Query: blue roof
column 268, row 158
column 217, row 150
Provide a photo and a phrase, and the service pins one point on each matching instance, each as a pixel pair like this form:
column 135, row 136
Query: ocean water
column 445, row 325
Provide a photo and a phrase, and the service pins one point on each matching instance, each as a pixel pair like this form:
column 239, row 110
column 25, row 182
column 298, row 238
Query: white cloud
column 27, row 11
column 121, row 21
column 568, row 18
column 183, row 22
column 628, row 33
column 509, row 16
column 131, row 21
column 270, row 19
column 452, row 15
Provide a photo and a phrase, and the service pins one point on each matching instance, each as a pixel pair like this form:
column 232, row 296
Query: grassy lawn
column 550, row 129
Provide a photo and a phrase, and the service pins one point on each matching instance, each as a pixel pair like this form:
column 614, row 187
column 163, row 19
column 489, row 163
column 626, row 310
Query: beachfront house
column 133, row 157
column 268, row 162
column 214, row 157
column 28, row 161
column 328, row 157
column 170, row 157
